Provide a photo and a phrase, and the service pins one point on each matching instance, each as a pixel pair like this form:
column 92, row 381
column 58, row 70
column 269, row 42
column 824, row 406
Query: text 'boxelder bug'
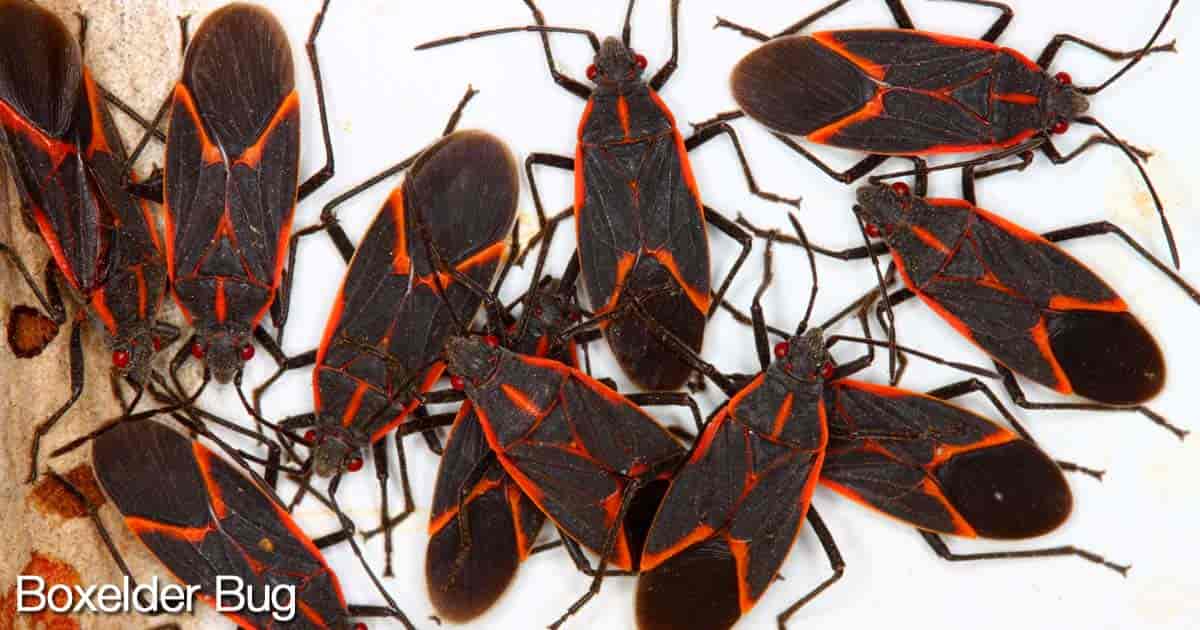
column 230, row 185
column 733, row 510
column 640, row 221
column 379, row 354
column 1027, row 303
column 67, row 159
column 203, row 519
column 905, row 92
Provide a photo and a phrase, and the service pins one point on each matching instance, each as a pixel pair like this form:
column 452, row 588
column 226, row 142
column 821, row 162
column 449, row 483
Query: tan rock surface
column 133, row 49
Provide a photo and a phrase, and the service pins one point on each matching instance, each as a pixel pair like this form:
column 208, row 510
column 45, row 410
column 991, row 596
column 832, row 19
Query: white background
column 387, row 101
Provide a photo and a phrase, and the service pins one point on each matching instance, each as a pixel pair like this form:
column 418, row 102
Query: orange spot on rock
column 54, row 571
column 49, row 496
column 29, row 331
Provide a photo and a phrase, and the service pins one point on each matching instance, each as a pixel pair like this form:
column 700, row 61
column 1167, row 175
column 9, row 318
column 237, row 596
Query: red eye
column 827, row 370
column 900, row 188
column 492, row 341
column 591, row 72
column 121, row 359
column 355, row 464
column 1063, row 78
column 640, row 61
column 781, row 349
column 198, row 350
column 156, row 343
column 310, row 436
column 247, row 352
column 1060, row 127
column 457, row 382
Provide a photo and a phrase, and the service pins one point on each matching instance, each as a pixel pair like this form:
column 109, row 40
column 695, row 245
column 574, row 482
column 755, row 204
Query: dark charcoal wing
column 465, row 189
column 203, row 519
column 795, row 85
column 40, row 67
column 464, row 582
column 724, row 527
column 940, row 467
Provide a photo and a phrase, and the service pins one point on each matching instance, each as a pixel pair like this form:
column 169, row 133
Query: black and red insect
column 1022, row 299
column 904, row 92
column 640, row 221
column 734, row 509
column 465, row 575
column 589, row 458
column 465, row 579
column 379, row 355
column 230, row 183
column 204, row 519
column 67, row 158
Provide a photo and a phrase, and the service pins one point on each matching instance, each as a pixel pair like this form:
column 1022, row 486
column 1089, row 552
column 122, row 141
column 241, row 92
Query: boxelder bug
column 68, row 159
column 379, row 354
column 229, row 187
column 588, row 457
column 640, row 221
column 904, row 92
column 464, row 577
column 204, row 519
column 733, row 510
column 1023, row 300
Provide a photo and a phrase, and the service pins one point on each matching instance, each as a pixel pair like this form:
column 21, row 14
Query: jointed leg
column 609, row 545
column 943, row 551
column 997, row 27
column 962, row 388
column 391, row 610
column 575, row 553
column 730, row 229
column 93, row 513
column 664, row 73
column 1052, row 47
column 76, row 371
column 1098, row 228
column 563, row 81
column 669, row 399
column 1013, row 388
column 836, row 563
column 896, row 7
column 707, row 133
column 50, row 301
column 291, row 363
column 322, row 176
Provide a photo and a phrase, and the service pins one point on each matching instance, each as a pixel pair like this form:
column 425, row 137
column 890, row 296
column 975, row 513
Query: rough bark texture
column 132, row 49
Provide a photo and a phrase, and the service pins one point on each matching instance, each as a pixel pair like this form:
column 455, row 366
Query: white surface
column 387, row 101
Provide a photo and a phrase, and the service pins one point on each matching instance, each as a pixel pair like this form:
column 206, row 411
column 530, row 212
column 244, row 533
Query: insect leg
column 563, row 81
column 997, row 27
column 669, row 399
column 708, row 132
column 1018, row 397
column 962, row 388
column 76, row 371
column 943, row 551
column 1052, row 47
column 322, row 176
column 664, row 73
column 836, row 563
